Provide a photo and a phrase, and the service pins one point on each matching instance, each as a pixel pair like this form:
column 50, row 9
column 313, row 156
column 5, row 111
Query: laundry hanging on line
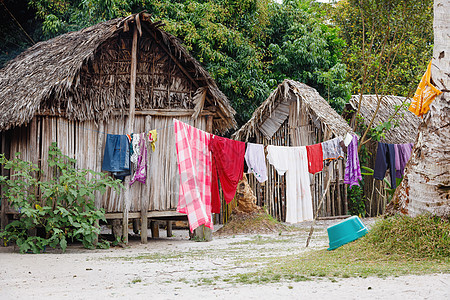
column 294, row 162
column 123, row 149
column 256, row 161
column 315, row 158
column 227, row 166
column 352, row 173
column 390, row 157
column 116, row 157
column 194, row 167
column 141, row 168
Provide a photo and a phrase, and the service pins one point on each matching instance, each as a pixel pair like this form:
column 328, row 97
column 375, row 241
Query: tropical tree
column 248, row 46
column 426, row 184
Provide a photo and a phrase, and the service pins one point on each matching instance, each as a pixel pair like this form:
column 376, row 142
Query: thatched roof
column 48, row 74
column 266, row 121
column 407, row 123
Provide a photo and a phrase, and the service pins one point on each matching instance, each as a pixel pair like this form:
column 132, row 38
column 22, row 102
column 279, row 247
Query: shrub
column 62, row 206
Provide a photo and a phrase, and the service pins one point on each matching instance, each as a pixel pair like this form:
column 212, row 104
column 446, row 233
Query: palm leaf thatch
column 271, row 114
column 405, row 123
column 56, row 76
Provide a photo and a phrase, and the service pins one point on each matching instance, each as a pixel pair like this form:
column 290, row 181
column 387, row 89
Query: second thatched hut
column 296, row 115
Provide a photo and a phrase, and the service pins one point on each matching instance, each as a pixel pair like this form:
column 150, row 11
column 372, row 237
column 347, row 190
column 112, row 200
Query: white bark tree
column 426, row 184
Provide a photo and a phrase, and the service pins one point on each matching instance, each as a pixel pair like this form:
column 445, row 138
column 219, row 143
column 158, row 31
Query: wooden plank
column 334, row 217
column 145, row 112
column 150, row 215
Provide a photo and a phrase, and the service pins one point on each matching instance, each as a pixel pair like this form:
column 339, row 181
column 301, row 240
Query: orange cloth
column 424, row 95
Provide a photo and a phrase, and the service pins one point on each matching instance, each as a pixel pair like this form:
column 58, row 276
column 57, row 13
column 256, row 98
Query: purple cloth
column 402, row 155
column 352, row 169
column 141, row 169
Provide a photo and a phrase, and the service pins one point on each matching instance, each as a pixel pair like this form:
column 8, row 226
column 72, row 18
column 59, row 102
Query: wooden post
column 169, row 228
column 318, row 208
column 203, row 233
column 338, row 187
column 145, row 200
column 327, row 198
column 154, row 226
column 130, row 127
column 98, row 195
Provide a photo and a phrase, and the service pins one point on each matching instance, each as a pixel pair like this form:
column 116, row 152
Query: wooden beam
column 130, row 127
column 147, row 112
column 151, row 214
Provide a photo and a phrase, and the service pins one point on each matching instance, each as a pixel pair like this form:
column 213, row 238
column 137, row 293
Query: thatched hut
column 404, row 130
column 296, row 115
column 121, row 76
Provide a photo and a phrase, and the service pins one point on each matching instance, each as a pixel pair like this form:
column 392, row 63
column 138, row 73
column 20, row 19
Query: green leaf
column 63, row 244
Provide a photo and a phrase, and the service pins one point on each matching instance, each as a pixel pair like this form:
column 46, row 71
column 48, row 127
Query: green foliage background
column 248, row 46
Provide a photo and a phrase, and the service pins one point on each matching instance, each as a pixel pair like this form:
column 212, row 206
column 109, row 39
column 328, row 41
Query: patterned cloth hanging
column 194, row 166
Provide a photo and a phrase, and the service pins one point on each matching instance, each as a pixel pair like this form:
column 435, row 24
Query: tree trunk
column 426, row 184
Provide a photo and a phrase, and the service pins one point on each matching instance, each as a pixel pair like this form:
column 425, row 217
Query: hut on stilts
column 382, row 108
column 296, row 115
column 121, row 76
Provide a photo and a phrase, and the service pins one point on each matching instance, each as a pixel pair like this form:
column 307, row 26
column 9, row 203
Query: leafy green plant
column 356, row 201
column 61, row 206
column 389, row 189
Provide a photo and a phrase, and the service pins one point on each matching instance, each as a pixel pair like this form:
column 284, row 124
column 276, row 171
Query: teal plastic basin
column 345, row 232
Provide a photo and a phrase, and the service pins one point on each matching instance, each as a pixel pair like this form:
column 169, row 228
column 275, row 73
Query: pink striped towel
column 194, row 166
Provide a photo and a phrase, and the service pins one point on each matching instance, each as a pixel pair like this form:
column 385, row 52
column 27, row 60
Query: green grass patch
column 395, row 246
column 419, row 237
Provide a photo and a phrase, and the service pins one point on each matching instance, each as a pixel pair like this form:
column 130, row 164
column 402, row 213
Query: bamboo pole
column 98, row 195
column 145, row 199
column 315, row 216
column 130, row 127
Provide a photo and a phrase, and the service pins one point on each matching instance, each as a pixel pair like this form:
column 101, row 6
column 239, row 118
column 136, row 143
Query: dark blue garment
column 116, row 158
column 385, row 160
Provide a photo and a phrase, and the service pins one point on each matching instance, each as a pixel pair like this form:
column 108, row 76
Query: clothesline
column 102, row 132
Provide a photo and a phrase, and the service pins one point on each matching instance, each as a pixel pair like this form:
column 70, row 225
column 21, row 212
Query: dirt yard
column 176, row 268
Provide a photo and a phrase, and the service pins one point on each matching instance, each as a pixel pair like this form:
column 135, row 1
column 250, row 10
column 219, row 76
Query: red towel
column 228, row 166
column 315, row 158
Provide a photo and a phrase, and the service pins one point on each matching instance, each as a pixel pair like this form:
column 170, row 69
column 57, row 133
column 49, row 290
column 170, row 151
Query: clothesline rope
column 101, row 132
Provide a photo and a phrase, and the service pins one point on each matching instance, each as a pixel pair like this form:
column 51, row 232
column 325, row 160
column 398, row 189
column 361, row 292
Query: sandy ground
column 176, row 268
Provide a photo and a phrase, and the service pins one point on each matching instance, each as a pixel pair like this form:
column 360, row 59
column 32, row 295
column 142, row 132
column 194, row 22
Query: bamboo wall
column 299, row 130
column 375, row 195
column 85, row 142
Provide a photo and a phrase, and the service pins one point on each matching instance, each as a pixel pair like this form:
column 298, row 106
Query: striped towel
column 194, row 166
